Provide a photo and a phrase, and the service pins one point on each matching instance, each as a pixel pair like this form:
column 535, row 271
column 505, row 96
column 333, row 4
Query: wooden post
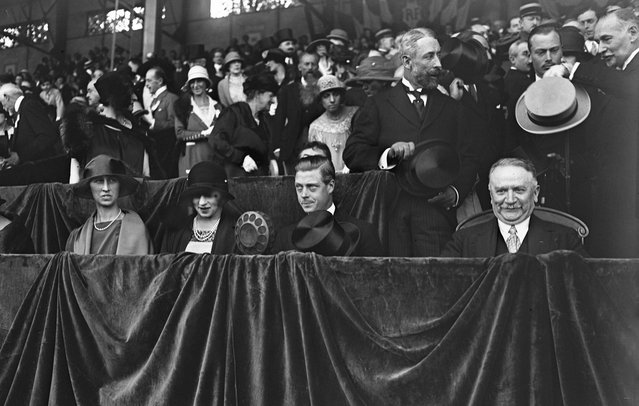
column 152, row 27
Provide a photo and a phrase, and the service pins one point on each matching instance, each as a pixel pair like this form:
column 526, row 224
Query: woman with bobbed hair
column 240, row 139
column 195, row 115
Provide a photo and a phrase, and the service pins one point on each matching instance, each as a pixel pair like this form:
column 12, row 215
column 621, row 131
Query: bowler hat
column 104, row 165
column 466, row 59
column 552, row 105
column 254, row 233
column 276, row 55
column 434, row 165
column 198, row 72
column 319, row 232
column 373, row 68
column 329, row 82
column 204, row 178
column 572, row 41
column 338, row 34
column 285, row 34
column 232, row 57
column 530, row 9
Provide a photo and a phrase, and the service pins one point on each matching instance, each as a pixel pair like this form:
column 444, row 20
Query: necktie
column 418, row 102
column 513, row 242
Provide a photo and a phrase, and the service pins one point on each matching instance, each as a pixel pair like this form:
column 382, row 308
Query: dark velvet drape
column 50, row 211
column 299, row 329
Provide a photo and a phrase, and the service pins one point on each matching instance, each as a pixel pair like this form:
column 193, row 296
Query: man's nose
column 436, row 62
column 510, row 196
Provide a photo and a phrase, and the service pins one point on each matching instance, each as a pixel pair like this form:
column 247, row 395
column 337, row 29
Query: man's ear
column 633, row 30
column 331, row 186
column 406, row 60
column 536, row 195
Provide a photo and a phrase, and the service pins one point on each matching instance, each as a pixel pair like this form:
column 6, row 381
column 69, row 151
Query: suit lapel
column 434, row 106
column 486, row 240
column 538, row 239
column 398, row 100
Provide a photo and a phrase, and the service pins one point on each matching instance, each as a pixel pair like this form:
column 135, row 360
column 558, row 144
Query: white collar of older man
column 18, row 103
column 522, row 229
column 632, row 55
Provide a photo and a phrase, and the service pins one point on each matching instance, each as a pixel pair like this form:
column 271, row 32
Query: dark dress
column 88, row 134
column 236, row 135
column 14, row 238
column 175, row 240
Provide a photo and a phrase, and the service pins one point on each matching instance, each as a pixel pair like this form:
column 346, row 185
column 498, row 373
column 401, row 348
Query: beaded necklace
column 95, row 222
column 204, row 235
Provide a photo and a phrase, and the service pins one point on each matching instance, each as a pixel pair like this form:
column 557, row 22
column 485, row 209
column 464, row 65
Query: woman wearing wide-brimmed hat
column 230, row 88
column 195, row 115
column 110, row 230
column 210, row 227
column 241, row 138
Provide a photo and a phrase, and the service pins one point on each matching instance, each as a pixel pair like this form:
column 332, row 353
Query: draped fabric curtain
column 51, row 210
column 299, row 329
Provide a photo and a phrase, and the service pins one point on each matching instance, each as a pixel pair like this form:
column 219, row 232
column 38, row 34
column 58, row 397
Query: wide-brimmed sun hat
column 104, row 165
column 373, row 68
column 552, row 105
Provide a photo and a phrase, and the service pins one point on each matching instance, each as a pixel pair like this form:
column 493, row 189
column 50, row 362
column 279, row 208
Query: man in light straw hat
column 333, row 127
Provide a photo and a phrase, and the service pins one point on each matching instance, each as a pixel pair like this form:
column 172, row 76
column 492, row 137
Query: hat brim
column 583, row 109
column 358, row 81
column 314, row 44
column 409, row 182
column 128, row 186
column 199, row 189
column 204, row 78
column 351, row 239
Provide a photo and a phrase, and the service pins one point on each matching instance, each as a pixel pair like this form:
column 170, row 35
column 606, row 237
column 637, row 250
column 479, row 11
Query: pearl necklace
column 95, row 222
column 204, row 235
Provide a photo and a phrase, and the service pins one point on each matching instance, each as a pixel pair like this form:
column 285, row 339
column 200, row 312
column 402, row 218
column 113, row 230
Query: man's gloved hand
column 249, row 164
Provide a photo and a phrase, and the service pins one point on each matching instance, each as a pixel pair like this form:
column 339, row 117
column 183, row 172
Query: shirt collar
column 632, row 55
column 331, row 209
column 522, row 229
column 18, row 103
column 159, row 91
column 410, row 87
column 303, row 81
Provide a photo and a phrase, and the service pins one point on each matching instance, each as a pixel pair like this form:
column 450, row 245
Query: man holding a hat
column 110, row 230
column 387, row 132
column 513, row 193
column 325, row 229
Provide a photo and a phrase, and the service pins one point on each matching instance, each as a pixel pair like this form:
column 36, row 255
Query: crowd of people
column 464, row 120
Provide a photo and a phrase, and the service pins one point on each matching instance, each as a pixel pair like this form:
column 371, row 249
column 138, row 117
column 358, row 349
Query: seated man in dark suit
column 513, row 193
column 314, row 184
column 35, row 136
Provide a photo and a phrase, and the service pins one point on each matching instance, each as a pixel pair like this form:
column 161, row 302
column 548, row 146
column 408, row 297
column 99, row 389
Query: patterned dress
column 334, row 133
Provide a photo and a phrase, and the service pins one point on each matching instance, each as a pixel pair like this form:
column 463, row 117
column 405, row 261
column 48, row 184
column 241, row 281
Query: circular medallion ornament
column 254, row 233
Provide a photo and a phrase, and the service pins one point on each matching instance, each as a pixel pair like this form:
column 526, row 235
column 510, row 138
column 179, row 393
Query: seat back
column 544, row 213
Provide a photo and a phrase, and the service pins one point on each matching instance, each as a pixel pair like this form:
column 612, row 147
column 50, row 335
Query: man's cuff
column 383, row 161
column 456, row 195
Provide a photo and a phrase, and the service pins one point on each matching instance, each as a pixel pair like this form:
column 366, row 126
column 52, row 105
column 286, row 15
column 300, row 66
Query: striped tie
column 513, row 242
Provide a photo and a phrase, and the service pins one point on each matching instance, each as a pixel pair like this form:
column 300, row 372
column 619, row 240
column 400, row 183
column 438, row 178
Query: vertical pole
column 152, row 27
column 113, row 38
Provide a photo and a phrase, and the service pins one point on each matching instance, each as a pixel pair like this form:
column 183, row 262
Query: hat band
column 558, row 119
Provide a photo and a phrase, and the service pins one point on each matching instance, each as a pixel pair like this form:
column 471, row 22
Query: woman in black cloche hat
column 110, row 230
column 210, row 227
